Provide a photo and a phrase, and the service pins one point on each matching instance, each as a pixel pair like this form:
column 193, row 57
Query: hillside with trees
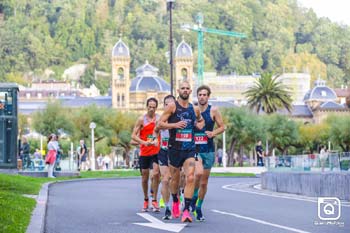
column 36, row 35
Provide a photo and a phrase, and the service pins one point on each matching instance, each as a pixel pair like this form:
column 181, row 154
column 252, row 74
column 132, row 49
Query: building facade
column 131, row 94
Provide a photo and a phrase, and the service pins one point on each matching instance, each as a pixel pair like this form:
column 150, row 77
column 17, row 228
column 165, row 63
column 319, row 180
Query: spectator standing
column 25, row 150
column 259, row 154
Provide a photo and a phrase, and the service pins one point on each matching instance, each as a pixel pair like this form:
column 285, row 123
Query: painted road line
column 231, row 187
column 156, row 223
column 261, row 221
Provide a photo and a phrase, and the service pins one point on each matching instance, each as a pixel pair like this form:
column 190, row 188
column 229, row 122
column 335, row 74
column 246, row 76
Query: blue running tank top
column 183, row 139
column 202, row 141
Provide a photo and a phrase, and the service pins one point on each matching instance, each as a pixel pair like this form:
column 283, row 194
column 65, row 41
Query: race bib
column 183, row 135
column 200, row 138
column 150, row 138
column 164, row 143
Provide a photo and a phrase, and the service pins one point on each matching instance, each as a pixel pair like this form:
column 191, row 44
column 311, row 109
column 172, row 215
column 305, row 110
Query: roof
column 183, row 50
column 149, row 83
column 147, row 70
column 8, row 85
column 342, row 92
column 331, row 105
column 320, row 92
column 147, row 80
column 120, row 49
column 29, row 107
column 101, row 101
column 297, row 111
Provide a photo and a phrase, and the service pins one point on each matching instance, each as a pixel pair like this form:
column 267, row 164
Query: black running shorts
column 146, row 162
column 178, row 157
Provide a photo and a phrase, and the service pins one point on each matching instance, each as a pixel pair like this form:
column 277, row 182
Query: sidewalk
column 254, row 170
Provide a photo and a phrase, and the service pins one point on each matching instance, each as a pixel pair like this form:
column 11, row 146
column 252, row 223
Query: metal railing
column 335, row 161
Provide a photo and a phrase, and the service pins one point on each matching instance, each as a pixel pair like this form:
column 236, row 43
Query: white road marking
column 156, row 223
column 261, row 221
column 285, row 196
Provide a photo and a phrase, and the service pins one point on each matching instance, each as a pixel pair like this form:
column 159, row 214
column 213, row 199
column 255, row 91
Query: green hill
column 55, row 34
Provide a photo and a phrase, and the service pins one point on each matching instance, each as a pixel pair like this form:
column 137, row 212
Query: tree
column 52, row 120
column 122, row 125
column 82, row 118
column 340, row 131
column 268, row 95
column 312, row 135
column 282, row 132
column 243, row 129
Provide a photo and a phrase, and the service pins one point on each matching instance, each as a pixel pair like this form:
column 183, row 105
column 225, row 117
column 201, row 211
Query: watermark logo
column 329, row 211
column 329, row 208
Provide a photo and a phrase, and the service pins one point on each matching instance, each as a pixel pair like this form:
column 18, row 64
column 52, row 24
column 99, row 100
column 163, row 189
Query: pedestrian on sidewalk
column 50, row 159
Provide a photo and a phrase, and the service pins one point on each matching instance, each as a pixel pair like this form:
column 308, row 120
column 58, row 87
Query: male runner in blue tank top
column 181, row 118
column 204, row 140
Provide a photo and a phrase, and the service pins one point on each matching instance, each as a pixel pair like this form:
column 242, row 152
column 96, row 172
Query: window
column 184, row 74
column 120, row 73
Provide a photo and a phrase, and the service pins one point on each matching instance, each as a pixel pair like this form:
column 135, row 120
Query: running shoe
column 145, row 206
column 199, row 217
column 155, row 206
column 176, row 209
column 186, row 217
column 167, row 215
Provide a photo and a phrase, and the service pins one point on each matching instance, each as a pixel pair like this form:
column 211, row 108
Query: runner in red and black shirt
column 149, row 148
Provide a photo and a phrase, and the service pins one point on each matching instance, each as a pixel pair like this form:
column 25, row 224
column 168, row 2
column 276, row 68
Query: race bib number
column 150, row 138
column 200, row 138
column 183, row 135
column 165, row 142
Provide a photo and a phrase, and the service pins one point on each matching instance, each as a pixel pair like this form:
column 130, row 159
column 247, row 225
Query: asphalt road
column 231, row 205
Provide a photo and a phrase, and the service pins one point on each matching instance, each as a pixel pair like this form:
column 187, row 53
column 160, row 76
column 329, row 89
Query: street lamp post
column 170, row 7
column 224, row 159
column 92, row 127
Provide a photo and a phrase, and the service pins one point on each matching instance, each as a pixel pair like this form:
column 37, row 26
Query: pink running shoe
column 186, row 217
column 155, row 206
column 145, row 206
column 176, row 209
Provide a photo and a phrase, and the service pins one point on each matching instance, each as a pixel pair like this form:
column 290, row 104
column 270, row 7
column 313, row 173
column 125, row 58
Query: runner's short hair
column 204, row 87
column 169, row 97
column 152, row 99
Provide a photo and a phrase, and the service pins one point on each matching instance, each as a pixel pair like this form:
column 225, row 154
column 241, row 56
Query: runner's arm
column 219, row 122
column 135, row 136
column 200, row 123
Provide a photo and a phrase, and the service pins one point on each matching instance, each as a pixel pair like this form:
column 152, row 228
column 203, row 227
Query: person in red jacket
column 149, row 148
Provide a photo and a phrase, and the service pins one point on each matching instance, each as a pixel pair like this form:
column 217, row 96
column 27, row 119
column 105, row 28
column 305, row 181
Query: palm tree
column 269, row 95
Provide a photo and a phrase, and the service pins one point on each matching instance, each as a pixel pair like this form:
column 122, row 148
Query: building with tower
column 184, row 65
column 131, row 94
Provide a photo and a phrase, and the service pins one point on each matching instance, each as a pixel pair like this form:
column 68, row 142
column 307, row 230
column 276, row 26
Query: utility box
column 8, row 125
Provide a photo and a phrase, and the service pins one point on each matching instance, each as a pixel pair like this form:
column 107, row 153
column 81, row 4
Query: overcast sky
column 335, row 10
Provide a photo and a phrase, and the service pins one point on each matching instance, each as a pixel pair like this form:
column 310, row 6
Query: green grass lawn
column 15, row 209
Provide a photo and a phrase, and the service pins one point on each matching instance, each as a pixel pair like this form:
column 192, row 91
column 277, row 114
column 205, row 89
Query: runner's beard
column 184, row 97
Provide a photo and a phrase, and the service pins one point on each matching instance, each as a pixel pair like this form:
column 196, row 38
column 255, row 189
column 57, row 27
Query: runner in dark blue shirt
column 181, row 118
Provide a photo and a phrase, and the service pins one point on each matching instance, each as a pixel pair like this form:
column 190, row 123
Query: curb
column 37, row 221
